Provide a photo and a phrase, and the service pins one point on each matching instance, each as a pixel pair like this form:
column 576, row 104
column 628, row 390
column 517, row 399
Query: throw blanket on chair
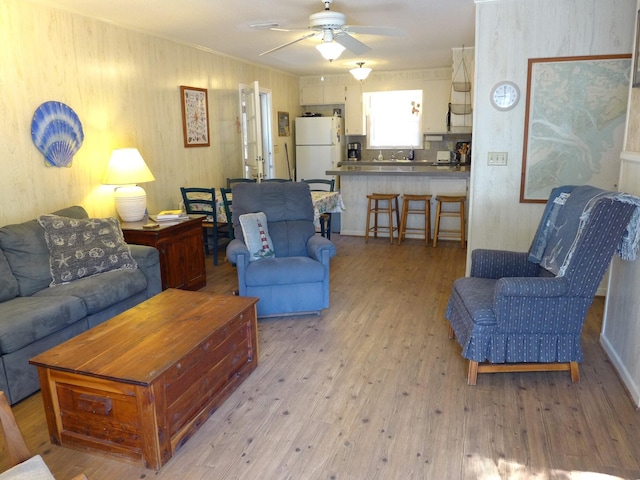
column 568, row 211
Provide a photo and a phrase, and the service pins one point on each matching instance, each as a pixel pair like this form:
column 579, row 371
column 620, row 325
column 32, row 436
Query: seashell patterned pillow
column 84, row 247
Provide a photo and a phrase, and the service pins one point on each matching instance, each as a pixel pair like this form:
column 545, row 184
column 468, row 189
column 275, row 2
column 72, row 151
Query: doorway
column 257, row 139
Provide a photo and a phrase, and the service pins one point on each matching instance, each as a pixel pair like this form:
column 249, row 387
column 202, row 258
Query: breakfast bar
column 359, row 179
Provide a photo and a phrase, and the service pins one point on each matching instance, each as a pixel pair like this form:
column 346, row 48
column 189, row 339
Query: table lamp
column 126, row 168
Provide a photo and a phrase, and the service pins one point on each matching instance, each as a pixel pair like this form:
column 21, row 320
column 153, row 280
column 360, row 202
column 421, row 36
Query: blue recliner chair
column 296, row 280
column 524, row 311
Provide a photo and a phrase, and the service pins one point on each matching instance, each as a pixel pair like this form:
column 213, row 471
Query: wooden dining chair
column 227, row 200
column 202, row 201
column 232, row 181
column 322, row 185
column 23, row 464
column 279, row 180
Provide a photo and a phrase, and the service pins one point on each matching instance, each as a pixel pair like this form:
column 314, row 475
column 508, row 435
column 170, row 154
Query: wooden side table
column 181, row 250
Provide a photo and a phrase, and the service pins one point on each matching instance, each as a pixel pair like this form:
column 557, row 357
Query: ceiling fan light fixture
column 360, row 73
column 330, row 50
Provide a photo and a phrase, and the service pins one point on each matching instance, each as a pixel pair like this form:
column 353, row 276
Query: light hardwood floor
column 374, row 389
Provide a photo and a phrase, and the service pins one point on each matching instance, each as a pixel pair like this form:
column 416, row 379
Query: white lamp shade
column 330, row 50
column 360, row 73
column 126, row 168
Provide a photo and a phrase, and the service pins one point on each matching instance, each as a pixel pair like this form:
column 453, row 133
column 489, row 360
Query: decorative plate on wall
column 57, row 132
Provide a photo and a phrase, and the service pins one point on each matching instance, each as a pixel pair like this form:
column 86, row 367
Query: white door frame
column 257, row 139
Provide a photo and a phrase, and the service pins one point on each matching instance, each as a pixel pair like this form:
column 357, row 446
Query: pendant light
column 360, row 73
column 330, row 50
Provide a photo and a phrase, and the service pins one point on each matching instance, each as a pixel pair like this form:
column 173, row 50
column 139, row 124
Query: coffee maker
column 354, row 152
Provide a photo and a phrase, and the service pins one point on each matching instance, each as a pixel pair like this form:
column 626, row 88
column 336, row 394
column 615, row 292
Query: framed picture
column 636, row 52
column 195, row 116
column 283, row 124
column 574, row 123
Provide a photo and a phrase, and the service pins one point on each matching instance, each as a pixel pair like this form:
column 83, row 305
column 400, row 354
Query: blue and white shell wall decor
column 57, row 132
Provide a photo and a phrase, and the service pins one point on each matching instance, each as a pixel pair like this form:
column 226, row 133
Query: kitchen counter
column 401, row 169
column 359, row 179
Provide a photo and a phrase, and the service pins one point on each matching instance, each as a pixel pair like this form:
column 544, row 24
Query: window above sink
column 394, row 119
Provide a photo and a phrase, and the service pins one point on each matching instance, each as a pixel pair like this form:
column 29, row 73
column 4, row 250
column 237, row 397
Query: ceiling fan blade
column 371, row 30
column 304, row 37
column 350, row 43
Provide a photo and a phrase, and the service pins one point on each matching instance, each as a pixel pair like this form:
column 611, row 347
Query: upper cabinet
column 322, row 94
column 436, row 84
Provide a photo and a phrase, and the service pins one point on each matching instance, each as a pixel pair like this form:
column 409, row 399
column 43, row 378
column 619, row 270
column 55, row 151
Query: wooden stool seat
column 375, row 208
column 450, row 233
column 407, row 210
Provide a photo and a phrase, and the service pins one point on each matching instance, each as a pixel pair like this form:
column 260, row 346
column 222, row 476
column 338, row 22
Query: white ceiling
column 433, row 28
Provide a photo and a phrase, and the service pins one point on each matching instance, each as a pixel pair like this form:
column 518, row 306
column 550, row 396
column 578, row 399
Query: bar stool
column 453, row 234
column 407, row 210
column 375, row 208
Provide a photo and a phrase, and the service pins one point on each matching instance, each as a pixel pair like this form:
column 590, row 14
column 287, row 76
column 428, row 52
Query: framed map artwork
column 195, row 116
column 574, row 123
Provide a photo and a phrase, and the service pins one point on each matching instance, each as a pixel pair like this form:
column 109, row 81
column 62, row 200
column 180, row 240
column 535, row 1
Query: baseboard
column 623, row 373
column 353, row 233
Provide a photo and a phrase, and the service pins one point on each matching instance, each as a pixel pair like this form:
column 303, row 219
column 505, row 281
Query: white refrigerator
column 318, row 146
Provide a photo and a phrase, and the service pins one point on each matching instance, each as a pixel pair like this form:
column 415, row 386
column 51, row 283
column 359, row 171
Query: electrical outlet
column 427, row 145
column 497, row 158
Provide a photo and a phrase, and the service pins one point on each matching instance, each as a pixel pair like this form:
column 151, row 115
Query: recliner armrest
column 237, row 251
column 317, row 245
column 502, row 263
column 531, row 287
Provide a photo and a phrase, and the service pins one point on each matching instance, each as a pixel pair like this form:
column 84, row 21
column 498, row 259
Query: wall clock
column 504, row 96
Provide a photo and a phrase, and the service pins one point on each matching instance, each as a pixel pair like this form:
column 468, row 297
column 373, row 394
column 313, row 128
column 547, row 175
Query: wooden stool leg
column 427, row 222
column 375, row 220
column 397, row 214
column 366, row 233
column 390, row 207
column 462, row 232
column 403, row 221
column 437, row 229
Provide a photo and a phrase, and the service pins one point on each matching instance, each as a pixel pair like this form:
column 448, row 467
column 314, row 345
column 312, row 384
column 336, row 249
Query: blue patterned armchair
column 296, row 280
column 525, row 311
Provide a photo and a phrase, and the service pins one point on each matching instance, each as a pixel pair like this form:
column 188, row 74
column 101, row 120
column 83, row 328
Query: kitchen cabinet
column 322, row 94
column 354, row 117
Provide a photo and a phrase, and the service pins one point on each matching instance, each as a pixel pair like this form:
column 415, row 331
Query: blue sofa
column 35, row 317
column 296, row 281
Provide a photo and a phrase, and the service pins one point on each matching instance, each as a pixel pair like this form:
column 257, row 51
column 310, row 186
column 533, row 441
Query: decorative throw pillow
column 85, row 247
column 256, row 236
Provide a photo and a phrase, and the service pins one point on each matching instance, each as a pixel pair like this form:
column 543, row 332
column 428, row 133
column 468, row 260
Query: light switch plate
column 497, row 158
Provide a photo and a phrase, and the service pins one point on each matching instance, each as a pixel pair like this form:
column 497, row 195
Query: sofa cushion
column 8, row 283
column 256, row 236
column 24, row 320
column 28, row 256
column 27, row 253
column 101, row 291
column 82, row 248
column 284, row 271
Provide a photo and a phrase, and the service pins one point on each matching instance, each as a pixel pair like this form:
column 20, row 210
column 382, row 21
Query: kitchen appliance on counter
column 354, row 152
column 443, row 157
column 318, row 146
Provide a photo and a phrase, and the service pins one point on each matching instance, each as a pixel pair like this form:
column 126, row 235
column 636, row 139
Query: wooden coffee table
column 139, row 385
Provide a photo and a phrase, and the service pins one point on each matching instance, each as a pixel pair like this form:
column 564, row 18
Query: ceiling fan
column 331, row 27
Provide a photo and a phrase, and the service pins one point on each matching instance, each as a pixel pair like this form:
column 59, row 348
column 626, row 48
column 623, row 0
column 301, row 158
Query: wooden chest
column 139, row 385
